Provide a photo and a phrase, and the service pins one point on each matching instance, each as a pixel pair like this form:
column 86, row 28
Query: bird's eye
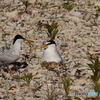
column 43, row 43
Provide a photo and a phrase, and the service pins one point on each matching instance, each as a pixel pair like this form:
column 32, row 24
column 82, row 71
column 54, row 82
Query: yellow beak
column 28, row 40
column 43, row 46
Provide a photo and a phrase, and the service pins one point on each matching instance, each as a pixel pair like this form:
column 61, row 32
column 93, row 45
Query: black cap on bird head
column 50, row 42
column 17, row 37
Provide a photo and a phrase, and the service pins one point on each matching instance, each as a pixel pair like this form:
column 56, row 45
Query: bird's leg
column 18, row 65
column 8, row 69
column 15, row 66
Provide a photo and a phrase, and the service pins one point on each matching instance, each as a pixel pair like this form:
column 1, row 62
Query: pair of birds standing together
column 13, row 54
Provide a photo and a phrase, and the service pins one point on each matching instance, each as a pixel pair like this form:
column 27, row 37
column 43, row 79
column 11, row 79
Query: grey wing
column 61, row 62
column 60, row 57
column 8, row 57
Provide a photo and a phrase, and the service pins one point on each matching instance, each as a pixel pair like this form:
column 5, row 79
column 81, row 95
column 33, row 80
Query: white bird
column 51, row 54
column 13, row 54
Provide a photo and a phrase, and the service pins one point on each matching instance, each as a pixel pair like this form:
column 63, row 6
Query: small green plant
column 53, row 70
column 3, row 37
column 50, row 93
column 94, row 23
column 77, row 64
column 98, row 9
column 26, row 4
column 69, row 0
column 97, row 88
column 52, row 29
column 45, row 5
column 68, row 6
column 95, row 67
column 90, row 3
column 66, row 83
column 27, row 78
column 75, row 98
column 36, row 88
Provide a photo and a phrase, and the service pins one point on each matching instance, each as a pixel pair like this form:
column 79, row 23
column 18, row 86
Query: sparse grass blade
column 66, row 83
column 52, row 29
column 68, row 6
column 27, row 78
column 77, row 98
column 97, row 87
column 26, row 3
column 95, row 67
column 98, row 9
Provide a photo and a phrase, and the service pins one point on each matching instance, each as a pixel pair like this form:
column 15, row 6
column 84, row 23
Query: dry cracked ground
column 78, row 39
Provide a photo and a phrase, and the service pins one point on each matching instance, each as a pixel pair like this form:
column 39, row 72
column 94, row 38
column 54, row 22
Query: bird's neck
column 51, row 48
column 17, row 46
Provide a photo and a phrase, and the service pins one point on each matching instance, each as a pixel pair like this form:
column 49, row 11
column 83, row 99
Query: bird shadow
column 16, row 66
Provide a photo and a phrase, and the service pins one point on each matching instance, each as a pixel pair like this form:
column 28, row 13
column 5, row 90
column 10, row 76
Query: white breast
column 51, row 55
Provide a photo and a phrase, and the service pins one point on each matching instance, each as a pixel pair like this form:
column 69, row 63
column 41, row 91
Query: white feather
column 12, row 54
column 51, row 54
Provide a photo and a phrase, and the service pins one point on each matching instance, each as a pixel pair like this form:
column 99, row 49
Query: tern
column 13, row 54
column 51, row 54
